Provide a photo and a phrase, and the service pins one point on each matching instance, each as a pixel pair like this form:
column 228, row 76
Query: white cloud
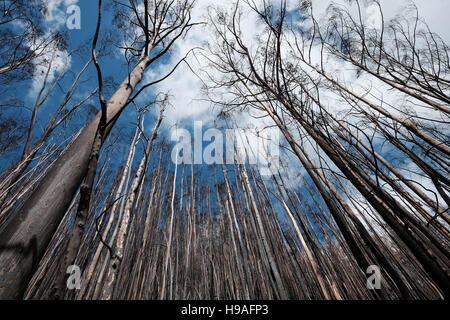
column 54, row 19
column 60, row 61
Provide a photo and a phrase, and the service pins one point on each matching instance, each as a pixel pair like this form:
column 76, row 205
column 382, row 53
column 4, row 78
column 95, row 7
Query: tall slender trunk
column 115, row 261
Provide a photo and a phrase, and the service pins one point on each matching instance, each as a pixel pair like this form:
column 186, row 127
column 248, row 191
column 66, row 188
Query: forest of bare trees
column 364, row 177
